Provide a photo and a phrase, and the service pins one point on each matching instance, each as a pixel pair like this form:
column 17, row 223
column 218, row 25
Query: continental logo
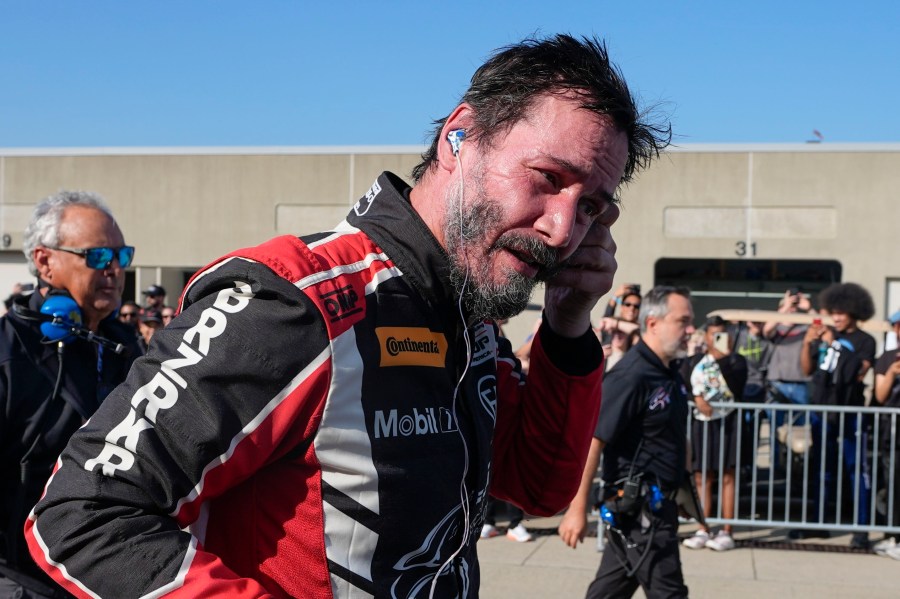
column 411, row 346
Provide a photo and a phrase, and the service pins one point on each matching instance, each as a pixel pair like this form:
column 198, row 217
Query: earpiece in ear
column 456, row 138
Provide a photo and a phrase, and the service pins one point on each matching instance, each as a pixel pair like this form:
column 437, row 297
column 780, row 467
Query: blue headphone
column 65, row 314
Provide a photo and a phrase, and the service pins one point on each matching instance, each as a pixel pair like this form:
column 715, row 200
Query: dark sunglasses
column 101, row 258
column 128, row 314
column 630, row 305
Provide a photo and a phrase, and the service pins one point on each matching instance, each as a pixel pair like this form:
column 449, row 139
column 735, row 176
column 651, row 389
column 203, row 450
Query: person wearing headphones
column 328, row 414
column 50, row 386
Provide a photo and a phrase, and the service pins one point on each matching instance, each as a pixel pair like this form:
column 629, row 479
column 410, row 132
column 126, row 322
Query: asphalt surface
column 765, row 564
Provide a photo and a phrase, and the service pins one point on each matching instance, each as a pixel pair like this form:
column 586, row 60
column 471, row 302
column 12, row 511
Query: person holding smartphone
column 838, row 358
column 716, row 376
column 786, row 378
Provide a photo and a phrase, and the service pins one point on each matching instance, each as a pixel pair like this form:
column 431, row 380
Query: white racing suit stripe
column 342, row 446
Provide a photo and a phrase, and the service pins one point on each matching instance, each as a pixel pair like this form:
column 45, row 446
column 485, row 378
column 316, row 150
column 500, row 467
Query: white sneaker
column 489, row 531
column 722, row 542
column 518, row 534
column 893, row 552
column 698, row 541
column 884, row 545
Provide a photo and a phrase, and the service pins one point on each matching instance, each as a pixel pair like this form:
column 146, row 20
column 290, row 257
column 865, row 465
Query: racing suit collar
column 390, row 220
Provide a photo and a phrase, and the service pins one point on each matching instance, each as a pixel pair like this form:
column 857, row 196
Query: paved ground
column 820, row 569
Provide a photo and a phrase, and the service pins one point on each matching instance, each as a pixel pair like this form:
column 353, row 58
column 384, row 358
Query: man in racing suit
column 327, row 415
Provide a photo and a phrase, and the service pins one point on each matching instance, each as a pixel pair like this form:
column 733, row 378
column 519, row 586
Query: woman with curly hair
column 838, row 358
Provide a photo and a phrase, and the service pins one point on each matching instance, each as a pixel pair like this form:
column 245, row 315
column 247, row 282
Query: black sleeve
column 884, row 361
column 868, row 349
column 576, row 357
column 621, row 404
column 610, row 309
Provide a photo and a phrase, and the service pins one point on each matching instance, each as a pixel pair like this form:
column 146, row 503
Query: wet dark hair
column 849, row 298
column 504, row 88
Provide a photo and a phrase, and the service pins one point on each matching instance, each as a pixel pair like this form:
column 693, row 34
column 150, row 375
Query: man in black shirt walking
column 641, row 432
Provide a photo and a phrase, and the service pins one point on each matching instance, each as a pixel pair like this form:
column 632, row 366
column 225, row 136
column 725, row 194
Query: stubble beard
column 483, row 297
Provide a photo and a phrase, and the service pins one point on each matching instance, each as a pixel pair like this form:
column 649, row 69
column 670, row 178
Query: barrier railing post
column 826, row 453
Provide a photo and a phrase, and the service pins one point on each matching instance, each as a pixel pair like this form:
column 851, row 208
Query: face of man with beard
column 528, row 201
column 485, row 297
column 671, row 333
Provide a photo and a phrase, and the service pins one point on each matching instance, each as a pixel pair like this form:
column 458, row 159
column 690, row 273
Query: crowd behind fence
column 790, row 476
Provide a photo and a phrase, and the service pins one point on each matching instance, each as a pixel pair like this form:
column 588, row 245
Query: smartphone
column 720, row 342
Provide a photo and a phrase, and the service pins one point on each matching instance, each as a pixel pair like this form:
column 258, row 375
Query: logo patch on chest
column 411, row 346
column 659, row 400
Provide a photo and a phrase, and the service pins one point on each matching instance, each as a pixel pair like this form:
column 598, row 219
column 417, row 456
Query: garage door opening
column 718, row 284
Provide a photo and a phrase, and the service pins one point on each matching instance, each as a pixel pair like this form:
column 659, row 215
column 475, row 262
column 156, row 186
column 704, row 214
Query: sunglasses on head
column 101, row 258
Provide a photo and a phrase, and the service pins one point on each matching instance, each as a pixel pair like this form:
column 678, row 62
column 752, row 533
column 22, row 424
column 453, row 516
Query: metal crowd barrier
column 812, row 487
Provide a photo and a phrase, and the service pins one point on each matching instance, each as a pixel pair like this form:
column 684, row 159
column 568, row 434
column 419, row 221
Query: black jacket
column 34, row 430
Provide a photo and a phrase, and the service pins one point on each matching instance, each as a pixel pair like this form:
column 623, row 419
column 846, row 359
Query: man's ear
column 460, row 119
column 41, row 258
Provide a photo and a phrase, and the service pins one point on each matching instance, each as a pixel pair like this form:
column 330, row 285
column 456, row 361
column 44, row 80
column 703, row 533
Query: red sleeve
column 543, row 431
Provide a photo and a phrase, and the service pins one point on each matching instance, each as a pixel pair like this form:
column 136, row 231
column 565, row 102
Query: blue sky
column 265, row 73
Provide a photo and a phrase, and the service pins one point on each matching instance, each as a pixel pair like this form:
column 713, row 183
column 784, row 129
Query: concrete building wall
column 184, row 207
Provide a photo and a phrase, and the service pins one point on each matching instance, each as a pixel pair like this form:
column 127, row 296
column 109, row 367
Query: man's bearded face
column 474, row 238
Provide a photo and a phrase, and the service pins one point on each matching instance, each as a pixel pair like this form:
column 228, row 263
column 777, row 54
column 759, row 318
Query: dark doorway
column 744, row 284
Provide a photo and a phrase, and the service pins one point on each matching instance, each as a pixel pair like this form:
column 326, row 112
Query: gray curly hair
column 43, row 228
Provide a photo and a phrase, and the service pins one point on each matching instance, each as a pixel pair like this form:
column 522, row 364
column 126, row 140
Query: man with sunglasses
column 129, row 314
column 48, row 389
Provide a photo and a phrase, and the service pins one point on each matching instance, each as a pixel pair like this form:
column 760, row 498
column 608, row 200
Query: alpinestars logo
column 420, row 421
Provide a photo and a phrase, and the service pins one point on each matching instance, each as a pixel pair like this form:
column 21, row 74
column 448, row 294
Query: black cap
column 151, row 315
column 154, row 291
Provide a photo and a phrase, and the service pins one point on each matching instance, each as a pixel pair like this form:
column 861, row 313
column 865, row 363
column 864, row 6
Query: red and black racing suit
column 295, row 431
